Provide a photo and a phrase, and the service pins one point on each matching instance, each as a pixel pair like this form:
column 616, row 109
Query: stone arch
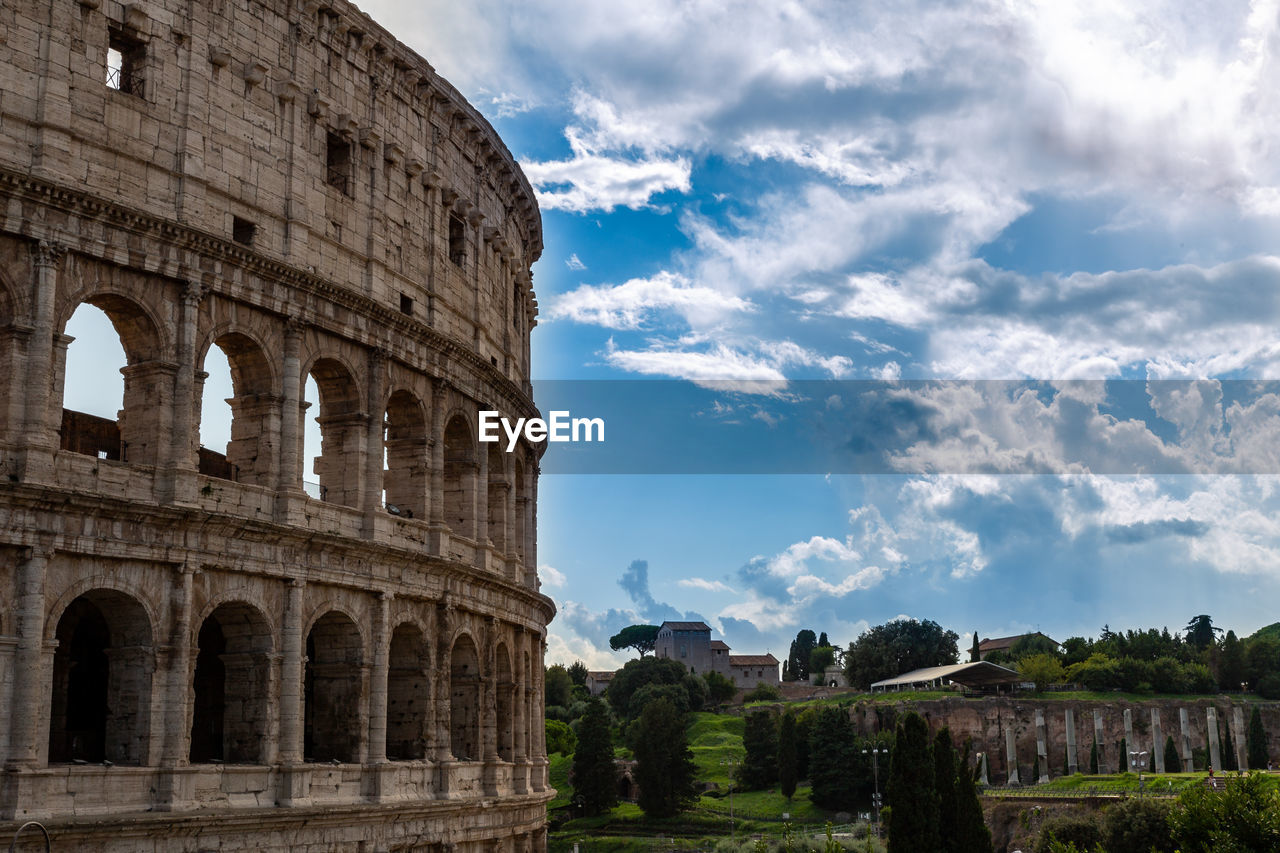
column 255, row 410
column 504, row 680
column 333, row 689
column 497, row 494
column 100, row 707
column 464, row 699
column 230, row 685
column 339, row 465
column 141, row 426
column 406, row 474
column 408, row 717
column 460, row 471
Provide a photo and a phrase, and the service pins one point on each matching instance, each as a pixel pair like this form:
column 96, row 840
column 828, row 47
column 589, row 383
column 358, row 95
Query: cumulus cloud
column 630, row 304
column 551, row 576
column 704, row 585
column 590, row 180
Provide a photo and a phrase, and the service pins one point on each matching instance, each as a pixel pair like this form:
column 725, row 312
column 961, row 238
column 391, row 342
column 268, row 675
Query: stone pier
column 1157, row 742
column 1215, row 748
column 1042, row 749
column 1073, row 762
column 1187, row 763
column 1011, row 756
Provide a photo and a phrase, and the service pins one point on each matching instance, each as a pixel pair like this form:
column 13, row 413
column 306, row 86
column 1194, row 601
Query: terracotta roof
column 752, row 660
column 686, row 626
column 719, row 645
column 1000, row 643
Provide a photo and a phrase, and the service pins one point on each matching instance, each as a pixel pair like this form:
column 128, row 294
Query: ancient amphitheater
column 198, row 650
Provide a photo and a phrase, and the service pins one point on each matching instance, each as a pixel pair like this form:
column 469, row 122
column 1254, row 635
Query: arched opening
column 404, row 480
column 464, row 700
column 341, row 420
column 231, row 685
column 136, row 430
column 506, row 706
column 101, row 702
column 239, row 412
column 459, row 478
column 497, row 495
column 331, row 690
column 626, row 791
column 407, row 720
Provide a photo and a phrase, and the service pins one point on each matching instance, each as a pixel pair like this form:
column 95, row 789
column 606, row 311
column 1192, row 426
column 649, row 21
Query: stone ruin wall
column 986, row 721
column 353, row 663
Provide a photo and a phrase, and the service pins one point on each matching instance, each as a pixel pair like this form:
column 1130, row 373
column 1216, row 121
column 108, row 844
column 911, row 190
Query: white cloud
column 630, row 304
column 551, row 576
column 575, row 263
column 704, row 585
column 593, row 181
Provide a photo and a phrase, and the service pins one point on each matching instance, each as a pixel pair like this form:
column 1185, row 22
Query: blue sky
column 792, row 192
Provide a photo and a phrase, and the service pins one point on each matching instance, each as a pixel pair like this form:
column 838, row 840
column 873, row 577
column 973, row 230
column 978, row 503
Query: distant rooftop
column 719, row 646
column 999, row 644
column 752, row 660
column 685, row 626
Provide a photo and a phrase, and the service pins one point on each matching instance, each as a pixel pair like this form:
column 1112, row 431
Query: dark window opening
column 457, row 241
column 242, row 230
column 515, row 307
column 126, row 58
column 338, row 163
column 406, row 304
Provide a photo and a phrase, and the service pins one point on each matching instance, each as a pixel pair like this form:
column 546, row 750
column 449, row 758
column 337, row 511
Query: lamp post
column 731, row 763
column 1137, row 761
column 875, row 775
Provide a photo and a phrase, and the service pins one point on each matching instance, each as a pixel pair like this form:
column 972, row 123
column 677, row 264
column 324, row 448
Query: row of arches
column 105, row 657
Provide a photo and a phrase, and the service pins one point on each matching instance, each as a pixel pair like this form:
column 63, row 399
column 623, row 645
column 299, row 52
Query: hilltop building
column 691, row 644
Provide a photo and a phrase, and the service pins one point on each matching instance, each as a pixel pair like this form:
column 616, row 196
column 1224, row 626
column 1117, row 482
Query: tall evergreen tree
column 975, row 653
column 787, row 758
column 832, row 752
column 1125, row 763
column 822, row 639
column 664, row 763
column 760, row 739
column 911, row 793
column 595, row 776
column 944, row 779
column 1172, row 763
column 1228, row 748
column 798, row 658
column 1255, row 742
column 972, row 834
column 1093, row 756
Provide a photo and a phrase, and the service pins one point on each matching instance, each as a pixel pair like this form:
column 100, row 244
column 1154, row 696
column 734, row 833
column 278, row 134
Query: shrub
column 763, row 693
column 1137, row 826
column 1080, row 830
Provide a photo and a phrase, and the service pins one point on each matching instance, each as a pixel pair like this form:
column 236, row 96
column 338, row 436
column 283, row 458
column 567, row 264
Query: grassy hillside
column 1270, row 632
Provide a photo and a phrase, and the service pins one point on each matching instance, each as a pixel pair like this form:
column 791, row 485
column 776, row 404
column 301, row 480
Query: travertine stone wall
column 184, row 629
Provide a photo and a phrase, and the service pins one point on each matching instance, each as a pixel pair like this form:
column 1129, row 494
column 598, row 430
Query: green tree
column 897, row 647
column 1228, row 748
column 798, row 657
column 1201, row 632
column 833, row 751
column 578, row 673
column 1172, row 763
column 944, row 778
column 595, row 776
column 664, row 764
column 720, row 688
column 911, row 792
column 560, row 738
column 1243, row 818
column 642, row 638
column 557, row 686
column 821, row 658
column 1232, row 669
column 788, row 760
column 1033, row 644
column 1042, row 668
column 1093, row 756
column 1136, row 826
column 1123, row 754
column 975, row 652
column 1255, row 742
column 636, row 674
column 760, row 740
column 972, row 834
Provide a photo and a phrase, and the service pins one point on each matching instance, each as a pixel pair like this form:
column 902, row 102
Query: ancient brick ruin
column 194, row 650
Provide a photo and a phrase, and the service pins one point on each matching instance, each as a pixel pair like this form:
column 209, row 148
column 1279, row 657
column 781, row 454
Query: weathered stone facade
column 194, row 652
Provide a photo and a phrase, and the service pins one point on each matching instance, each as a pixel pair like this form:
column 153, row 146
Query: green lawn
column 716, row 738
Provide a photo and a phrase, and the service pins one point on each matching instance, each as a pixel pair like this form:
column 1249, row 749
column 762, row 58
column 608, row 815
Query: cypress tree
column 1172, row 763
column 1093, row 757
column 760, row 740
column 1066, row 763
column 787, row 758
column 944, row 779
column 1035, row 770
column 974, row 653
column 664, row 764
column 1124, row 755
column 1255, row 742
column 595, row 776
column 911, row 793
column 832, row 752
column 972, row 834
column 1229, row 749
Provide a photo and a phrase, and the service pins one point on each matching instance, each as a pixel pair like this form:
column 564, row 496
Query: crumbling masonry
column 195, row 651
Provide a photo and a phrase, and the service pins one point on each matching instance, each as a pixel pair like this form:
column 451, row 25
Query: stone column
column 378, row 680
column 1042, row 747
column 28, row 664
column 39, row 431
column 1157, row 741
column 1215, row 749
column 1099, row 739
column 1126, row 760
column 1073, row 760
column 983, row 776
column 289, row 493
column 444, row 636
column 179, row 483
column 531, row 529
column 1011, row 756
column 480, row 500
column 1188, row 765
column 291, row 666
column 1238, row 737
column 374, row 443
column 435, row 497
column 174, row 790
column 520, row 710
